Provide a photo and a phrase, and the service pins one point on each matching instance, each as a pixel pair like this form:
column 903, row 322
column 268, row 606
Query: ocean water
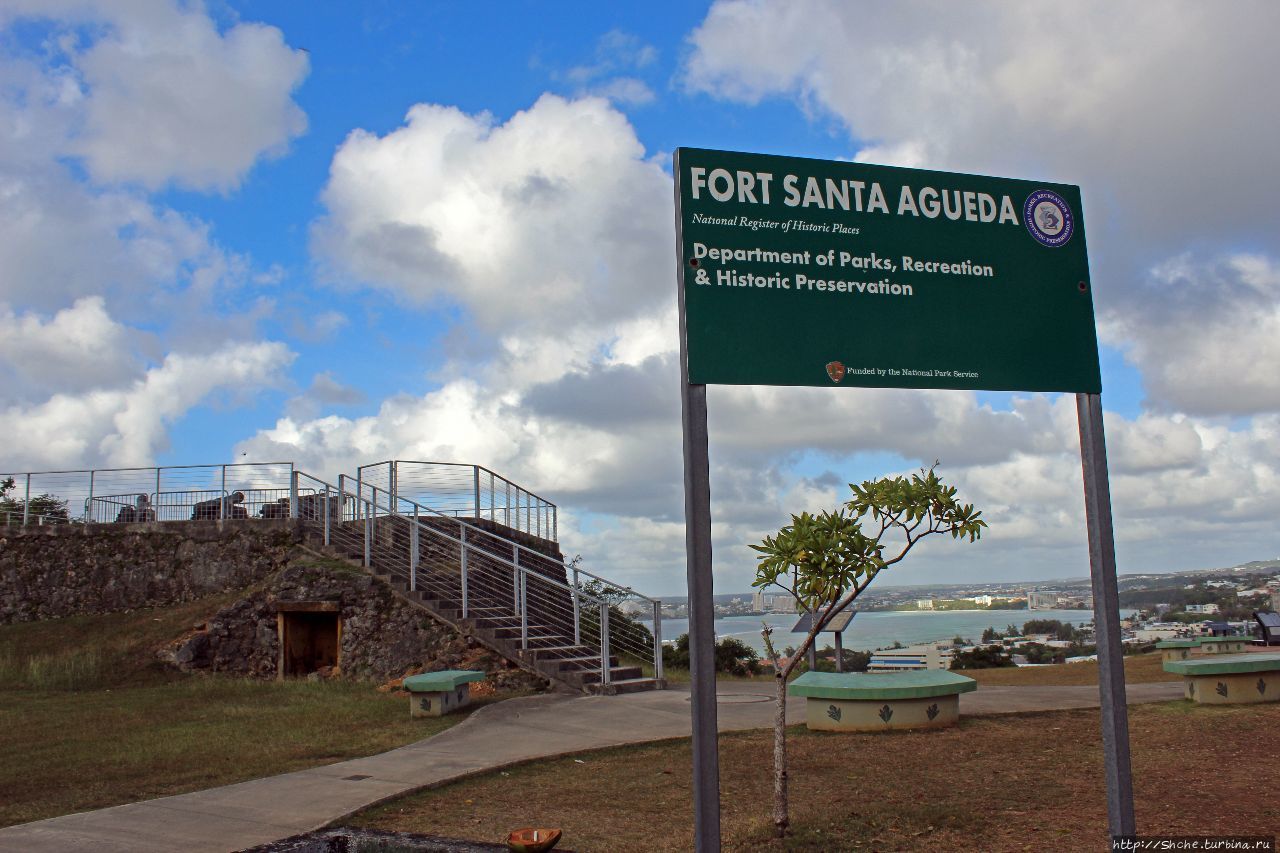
column 870, row 631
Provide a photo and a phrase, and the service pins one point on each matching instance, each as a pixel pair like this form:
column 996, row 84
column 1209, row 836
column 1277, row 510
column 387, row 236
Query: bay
column 880, row 629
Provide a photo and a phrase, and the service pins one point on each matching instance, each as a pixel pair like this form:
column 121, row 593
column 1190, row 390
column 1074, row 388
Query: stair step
column 554, row 653
column 627, row 685
column 578, row 663
column 616, row 673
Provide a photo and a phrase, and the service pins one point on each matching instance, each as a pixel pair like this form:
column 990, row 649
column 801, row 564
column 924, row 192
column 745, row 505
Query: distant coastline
column 878, row 629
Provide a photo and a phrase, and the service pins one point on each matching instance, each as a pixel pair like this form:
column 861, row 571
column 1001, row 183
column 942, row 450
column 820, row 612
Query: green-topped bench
column 434, row 694
column 1183, row 649
column 876, row 701
column 1230, row 679
column 1223, row 645
column 1176, row 649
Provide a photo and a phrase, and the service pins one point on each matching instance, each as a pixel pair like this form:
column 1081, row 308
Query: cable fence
column 165, row 493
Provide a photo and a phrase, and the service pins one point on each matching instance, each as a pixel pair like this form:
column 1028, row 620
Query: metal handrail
column 383, row 501
column 461, row 540
column 533, row 513
column 569, row 567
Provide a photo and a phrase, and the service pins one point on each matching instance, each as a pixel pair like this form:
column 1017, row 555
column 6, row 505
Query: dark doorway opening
column 309, row 637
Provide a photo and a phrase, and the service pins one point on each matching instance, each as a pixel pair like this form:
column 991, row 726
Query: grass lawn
column 1138, row 669
column 992, row 784
column 90, row 718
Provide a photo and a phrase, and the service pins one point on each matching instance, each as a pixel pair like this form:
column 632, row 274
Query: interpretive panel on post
column 809, row 272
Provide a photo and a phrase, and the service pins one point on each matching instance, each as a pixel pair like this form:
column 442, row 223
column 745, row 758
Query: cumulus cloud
column 1083, row 93
column 1174, row 185
column 160, row 95
column 578, row 401
column 1205, row 335
column 551, row 220
column 128, row 424
column 115, row 100
column 80, row 347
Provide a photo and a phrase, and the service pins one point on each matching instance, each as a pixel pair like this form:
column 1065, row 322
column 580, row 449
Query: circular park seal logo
column 1048, row 218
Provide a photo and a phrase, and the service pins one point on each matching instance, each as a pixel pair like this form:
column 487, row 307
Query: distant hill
column 1126, row 579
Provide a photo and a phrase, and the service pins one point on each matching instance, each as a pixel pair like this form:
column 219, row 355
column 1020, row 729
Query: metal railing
column 198, row 505
column 466, row 491
column 80, row 490
column 489, row 576
column 10, row 518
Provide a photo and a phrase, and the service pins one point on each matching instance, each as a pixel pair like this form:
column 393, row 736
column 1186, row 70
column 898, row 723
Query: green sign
column 809, row 272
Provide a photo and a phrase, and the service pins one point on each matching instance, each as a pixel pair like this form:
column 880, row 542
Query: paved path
column 263, row 810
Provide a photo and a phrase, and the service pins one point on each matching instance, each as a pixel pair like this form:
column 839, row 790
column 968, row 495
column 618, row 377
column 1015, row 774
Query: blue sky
column 339, row 233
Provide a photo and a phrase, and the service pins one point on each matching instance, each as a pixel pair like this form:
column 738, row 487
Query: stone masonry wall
column 382, row 636
column 77, row 569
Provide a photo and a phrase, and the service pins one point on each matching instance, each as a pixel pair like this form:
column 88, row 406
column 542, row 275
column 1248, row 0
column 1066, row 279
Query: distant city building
column 1042, row 600
column 912, row 657
column 1202, row 608
column 924, row 604
column 784, row 604
column 984, row 600
column 757, row 602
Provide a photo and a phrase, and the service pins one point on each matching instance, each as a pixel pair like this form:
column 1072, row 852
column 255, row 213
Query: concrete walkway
column 250, row 813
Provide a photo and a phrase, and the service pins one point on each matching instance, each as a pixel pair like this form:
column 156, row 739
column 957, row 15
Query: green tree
column 825, row 561
column 983, row 658
column 733, row 656
column 1059, row 630
column 44, row 507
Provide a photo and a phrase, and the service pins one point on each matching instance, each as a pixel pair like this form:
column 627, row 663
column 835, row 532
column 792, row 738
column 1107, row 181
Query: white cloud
column 547, row 223
column 1174, row 185
column 1140, row 102
column 578, row 401
column 62, row 241
column 628, row 91
column 1205, row 335
column 128, row 425
column 79, row 348
column 159, row 95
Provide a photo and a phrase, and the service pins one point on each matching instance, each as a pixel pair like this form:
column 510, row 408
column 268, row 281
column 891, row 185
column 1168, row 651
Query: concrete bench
column 1183, row 649
column 1176, row 649
column 1223, row 645
column 865, row 702
column 434, row 694
column 1230, row 679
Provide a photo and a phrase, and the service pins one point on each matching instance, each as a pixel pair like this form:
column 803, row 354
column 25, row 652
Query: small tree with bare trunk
column 825, row 561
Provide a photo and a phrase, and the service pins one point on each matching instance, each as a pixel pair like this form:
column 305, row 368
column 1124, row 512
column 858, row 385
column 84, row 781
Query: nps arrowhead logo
column 836, row 371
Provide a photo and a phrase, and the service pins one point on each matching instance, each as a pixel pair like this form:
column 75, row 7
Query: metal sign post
column 702, row 642
column 819, row 273
column 1106, row 616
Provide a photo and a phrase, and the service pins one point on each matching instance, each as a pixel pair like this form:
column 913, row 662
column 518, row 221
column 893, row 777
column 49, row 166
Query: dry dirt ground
column 1001, row 783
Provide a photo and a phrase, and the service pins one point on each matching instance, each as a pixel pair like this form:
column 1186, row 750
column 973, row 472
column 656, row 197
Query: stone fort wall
column 78, row 569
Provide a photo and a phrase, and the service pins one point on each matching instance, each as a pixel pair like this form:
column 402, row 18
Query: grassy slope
column 99, row 721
